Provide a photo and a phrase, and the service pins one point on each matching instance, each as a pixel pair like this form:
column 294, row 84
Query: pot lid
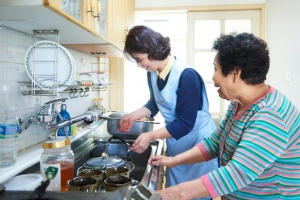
column 100, row 162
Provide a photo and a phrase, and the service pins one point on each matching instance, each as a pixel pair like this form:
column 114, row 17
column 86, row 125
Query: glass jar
column 57, row 164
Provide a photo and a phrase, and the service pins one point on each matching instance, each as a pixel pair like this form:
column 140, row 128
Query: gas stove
column 139, row 192
column 147, row 176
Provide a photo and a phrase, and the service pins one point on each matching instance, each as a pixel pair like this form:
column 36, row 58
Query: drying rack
column 35, row 77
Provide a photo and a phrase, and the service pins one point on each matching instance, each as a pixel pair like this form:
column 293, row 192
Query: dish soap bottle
column 9, row 128
column 66, row 116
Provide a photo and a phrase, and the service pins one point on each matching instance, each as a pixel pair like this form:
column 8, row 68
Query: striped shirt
column 259, row 151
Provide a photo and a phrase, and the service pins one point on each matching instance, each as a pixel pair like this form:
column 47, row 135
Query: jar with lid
column 57, row 164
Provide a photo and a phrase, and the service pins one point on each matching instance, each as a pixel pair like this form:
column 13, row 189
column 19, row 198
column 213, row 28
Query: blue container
column 66, row 116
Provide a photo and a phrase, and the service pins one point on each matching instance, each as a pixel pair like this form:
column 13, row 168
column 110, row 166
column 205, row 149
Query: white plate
column 44, row 54
column 23, row 182
column 64, row 3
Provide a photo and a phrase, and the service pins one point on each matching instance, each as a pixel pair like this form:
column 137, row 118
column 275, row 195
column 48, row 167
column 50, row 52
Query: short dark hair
column 246, row 52
column 142, row 39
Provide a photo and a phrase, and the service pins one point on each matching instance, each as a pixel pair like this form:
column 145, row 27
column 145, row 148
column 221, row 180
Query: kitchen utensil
column 2, row 187
column 87, row 184
column 40, row 190
column 138, row 127
column 108, row 162
column 121, row 170
column 96, row 173
column 116, row 182
column 39, row 63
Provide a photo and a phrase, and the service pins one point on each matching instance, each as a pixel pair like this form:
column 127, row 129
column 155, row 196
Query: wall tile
column 13, row 48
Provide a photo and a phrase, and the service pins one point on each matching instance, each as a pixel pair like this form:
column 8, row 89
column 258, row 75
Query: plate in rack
column 40, row 66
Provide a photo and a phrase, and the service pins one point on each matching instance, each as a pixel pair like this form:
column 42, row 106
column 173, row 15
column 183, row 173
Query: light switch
column 288, row 78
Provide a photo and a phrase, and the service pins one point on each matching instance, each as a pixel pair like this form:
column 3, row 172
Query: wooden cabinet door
column 120, row 20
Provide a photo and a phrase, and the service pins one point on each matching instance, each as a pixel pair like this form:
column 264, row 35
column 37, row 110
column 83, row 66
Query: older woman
column 259, row 139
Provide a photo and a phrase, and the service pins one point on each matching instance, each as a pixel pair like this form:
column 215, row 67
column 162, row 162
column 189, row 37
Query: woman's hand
column 162, row 160
column 171, row 193
column 141, row 143
column 126, row 123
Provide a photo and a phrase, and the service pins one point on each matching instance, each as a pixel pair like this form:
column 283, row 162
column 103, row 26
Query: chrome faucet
column 48, row 113
column 88, row 116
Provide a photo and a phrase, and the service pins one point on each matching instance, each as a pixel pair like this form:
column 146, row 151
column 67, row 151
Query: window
column 204, row 28
column 135, row 79
column 192, row 35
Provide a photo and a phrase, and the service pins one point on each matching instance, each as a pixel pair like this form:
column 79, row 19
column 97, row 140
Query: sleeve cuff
column 209, row 186
column 204, row 152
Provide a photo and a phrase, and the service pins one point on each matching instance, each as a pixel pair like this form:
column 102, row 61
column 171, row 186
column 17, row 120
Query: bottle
column 9, row 127
column 66, row 116
column 57, row 164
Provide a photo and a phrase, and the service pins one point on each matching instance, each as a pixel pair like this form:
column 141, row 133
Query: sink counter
column 31, row 156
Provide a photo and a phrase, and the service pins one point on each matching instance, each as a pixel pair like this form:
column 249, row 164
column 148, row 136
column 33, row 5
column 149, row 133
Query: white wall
column 282, row 36
column 282, row 31
column 13, row 46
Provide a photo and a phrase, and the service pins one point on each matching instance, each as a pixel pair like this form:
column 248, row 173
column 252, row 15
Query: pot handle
column 121, row 139
column 134, row 182
column 152, row 122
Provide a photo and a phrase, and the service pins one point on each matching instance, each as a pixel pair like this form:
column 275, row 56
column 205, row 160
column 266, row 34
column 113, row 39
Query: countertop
column 31, row 156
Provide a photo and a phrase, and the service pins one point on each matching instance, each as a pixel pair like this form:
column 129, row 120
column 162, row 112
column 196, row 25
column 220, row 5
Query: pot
column 121, row 170
column 138, row 127
column 95, row 173
column 103, row 163
column 116, row 182
column 87, row 184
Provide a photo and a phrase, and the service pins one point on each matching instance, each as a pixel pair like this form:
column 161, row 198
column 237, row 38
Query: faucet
column 47, row 113
column 24, row 126
column 88, row 116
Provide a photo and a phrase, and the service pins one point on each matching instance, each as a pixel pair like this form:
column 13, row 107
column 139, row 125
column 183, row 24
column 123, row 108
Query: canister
column 57, row 164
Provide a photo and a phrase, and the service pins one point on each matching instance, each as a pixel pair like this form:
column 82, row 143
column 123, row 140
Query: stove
column 148, row 177
column 139, row 192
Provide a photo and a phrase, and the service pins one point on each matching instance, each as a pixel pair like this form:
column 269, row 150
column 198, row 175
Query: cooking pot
column 108, row 162
column 116, row 182
column 120, row 170
column 138, row 127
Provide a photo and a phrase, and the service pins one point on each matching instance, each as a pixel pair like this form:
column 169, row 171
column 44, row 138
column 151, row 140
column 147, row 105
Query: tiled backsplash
column 13, row 47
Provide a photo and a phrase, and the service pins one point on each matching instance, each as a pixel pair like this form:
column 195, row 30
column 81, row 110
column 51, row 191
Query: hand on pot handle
column 141, row 143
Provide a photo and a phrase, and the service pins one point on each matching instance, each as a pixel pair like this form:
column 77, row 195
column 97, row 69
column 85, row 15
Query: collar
column 163, row 74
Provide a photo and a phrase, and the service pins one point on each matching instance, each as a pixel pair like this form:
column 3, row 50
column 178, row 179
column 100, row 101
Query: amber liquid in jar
column 66, row 173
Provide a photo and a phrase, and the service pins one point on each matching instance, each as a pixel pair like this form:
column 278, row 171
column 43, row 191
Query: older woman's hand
column 161, row 160
column 171, row 193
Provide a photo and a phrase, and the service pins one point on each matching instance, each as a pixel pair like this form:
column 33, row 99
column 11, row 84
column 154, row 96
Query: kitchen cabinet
column 26, row 16
column 120, row 20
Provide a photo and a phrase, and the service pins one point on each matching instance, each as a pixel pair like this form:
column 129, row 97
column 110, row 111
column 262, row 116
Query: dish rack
column 40, row 76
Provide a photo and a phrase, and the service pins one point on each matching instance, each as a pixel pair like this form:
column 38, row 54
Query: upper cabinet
column 80, row 24
column 120, row 20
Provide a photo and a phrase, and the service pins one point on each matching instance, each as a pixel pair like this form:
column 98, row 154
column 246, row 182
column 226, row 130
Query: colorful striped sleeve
column 265, row 133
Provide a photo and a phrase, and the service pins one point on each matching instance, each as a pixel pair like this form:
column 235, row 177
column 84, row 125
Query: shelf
column 27, row 16
column 26, row 89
